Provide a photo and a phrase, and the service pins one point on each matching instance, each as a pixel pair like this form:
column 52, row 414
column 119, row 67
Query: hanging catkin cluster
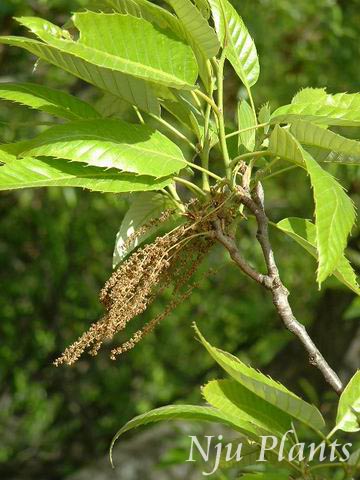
column 169, row 260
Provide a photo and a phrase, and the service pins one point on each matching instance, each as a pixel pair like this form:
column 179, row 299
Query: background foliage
column 56, row 247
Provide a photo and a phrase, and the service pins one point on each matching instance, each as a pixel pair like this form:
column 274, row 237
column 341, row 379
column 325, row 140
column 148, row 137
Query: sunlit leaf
column 110, row 144
column 240, row 47
column 246, row 120
column 125, row 44
column 148, row 11
column 317, row 106
column 133, row 90
column 310, row 95
column 334, row 210
column 33, row 173
column 264, row 116
column 233, row 399
column 304, row 233
column 198, row 34
column 335, row 217
column 333, row 147
column 348, row 415
column 284, row 145
column 264, row 387
column 175, row 412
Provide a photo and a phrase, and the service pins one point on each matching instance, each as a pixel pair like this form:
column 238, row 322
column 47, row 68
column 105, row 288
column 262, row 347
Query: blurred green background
column 56, row 248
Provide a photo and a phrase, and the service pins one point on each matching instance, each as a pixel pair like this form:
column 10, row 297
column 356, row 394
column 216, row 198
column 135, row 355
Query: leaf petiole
column 174, row 130
column 203, row 170
column 190, row 186
column 208, row 100
column 254, row 127
column 251, row 155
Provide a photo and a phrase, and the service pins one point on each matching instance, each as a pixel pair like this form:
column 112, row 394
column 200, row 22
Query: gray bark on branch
column 272, row 281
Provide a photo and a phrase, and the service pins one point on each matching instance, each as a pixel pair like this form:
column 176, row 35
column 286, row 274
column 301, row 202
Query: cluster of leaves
column 256, row 406
column 88, row 149
column 122, row 157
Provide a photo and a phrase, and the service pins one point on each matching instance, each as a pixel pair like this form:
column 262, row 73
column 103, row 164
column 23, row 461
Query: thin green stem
column 332, row 433
column 235, row 174
column 138, row 113
column 254, row 127
column 245, row 156
column 303, row 465
column 220, row 104
column 175, row 197
column 252, row 105
column 208, row 100
column 279, row 172
column 247, row 178
column 204, row 155
column 174, row 130
column 327, row 441
column 195, row 97
column 190, row 186
column 261, row 173
column 201, row 169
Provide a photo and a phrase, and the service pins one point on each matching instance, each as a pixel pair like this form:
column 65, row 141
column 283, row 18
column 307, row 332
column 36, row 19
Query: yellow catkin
column 169, row 261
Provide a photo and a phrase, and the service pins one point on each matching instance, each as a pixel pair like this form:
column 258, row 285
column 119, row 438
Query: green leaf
column 150, row 12
column 264, row 387
column 164, row 19
column 284, row 145
column 155, row 15
column 236, row 401
column 250, row 452
column 110, row 144
column 318, row 107
column 111, row 106
column 348, row 415
column 240, row 47
column 173, row 412
column 133, row 90
column 310, row 95
column 33, row 173
column 334, row 210
column 319, row 95
column 49, row 100
column 304, row 233
column 336, row 148
column 125, row 44
column 246, row 120
column 12, row 150
column 144, row 207
column 264, row 116
column 335, row 217
column 198, row 33
column 322, row 155
column 354, row 460
column 180, row 106
column 204, row 8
